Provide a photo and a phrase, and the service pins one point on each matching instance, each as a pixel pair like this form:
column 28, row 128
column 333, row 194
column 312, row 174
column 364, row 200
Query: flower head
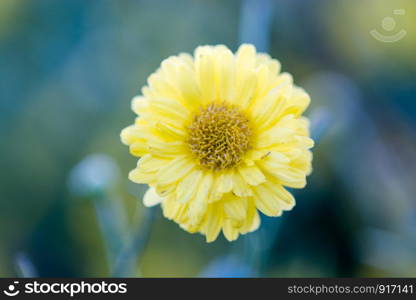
column 219, row 137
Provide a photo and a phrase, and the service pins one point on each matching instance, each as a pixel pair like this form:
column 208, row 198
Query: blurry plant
column 377, row 184
column 228, row 266
column 378, row 246
column 25, row 267
column 94, row 175
column 255, row 23
column 94, row 178
column 128, row 256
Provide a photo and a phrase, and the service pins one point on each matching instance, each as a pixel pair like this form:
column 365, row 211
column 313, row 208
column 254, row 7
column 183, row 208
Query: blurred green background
column 69, row 68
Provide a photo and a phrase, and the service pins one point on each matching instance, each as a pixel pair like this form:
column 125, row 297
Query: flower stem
column 256, row 18
column 125, row 264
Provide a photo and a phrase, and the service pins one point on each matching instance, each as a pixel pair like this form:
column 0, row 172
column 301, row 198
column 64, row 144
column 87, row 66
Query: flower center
column 219, row 135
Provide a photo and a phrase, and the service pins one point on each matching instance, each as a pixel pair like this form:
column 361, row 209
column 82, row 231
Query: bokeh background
column 68, row 70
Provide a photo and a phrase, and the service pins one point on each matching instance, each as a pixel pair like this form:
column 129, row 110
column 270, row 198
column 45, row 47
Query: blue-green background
column 69, row 68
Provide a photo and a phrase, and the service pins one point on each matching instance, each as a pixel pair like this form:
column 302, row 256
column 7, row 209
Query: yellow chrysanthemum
column 220, row 136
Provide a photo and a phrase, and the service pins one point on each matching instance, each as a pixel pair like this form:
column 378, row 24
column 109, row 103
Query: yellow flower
column 220, row 136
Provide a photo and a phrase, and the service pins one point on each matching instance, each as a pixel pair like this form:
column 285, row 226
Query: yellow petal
column 245, row 61
column 252, row 222
column 138, row 176
column 170, row 108
column 263, row 80
column 227, row 78
column 188, row 86
column 159, row 86
column 205, row 72
column 139, row 104
column 290, row 175
column 305, row 142
column 255, row 223
column 245, row 90
column 240, row 187
column 298, row 102
column 187, row 58
column 283, row 195
column 274, row 136
column 252, row 175
column 235, row 207
column 273, row 65
column 198, row 204
column 213, row 223
column 254, row 155
column 188, row 186
column 149, row 163
column 174, row 210
column 166, row 149
column 267, row 109
column 174, row 170
column 230, row 232
column 225, row 182
column 267, row 201
column 151, row 198
column 139, row 148
column 246, row 79
column 129, row 135
column 274, row 161
column 171, row 131
column 222, row 183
